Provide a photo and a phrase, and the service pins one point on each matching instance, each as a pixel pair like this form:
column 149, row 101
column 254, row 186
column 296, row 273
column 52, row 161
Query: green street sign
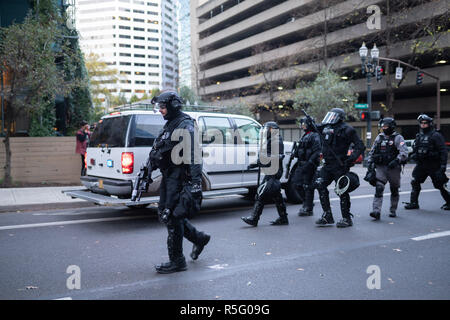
column 361, row 106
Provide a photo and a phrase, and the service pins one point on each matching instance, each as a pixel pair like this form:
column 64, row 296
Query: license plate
column 100, row 184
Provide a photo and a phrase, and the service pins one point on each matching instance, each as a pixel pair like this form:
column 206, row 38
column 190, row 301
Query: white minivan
column 123, row 139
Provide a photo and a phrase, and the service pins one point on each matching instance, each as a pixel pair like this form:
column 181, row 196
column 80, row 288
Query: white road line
column 65, row 298
column 432, row 236
column 62, row 223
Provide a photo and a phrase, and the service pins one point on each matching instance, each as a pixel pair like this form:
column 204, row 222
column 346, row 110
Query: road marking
column 432, row 236
column 61, row 223
column 65, row 298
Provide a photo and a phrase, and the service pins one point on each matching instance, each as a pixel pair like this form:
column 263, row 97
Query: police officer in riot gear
column 270, row 161
column 180, row 190
column 337, row 138
column 430, row 153
column 308, row 153
column 388, row 153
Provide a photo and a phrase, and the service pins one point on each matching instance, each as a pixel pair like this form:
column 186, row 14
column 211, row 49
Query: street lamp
column 369, row 66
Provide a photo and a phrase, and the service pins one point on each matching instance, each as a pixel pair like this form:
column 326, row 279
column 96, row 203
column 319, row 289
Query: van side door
column 219, row 152
column 248, row 143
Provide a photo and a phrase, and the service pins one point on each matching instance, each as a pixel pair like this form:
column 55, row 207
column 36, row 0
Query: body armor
column 385, row 150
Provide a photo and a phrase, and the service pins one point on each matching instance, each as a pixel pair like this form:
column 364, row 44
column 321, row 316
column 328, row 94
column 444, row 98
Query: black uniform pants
column 304, row 179
column 177, row 228
column 326, row 175
column 421, row 172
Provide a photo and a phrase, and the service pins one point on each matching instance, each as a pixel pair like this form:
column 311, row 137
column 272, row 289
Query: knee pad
column 394, row 191
column 379, row 190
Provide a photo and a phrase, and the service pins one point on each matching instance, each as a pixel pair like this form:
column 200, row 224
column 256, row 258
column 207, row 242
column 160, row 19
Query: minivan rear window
column 144, row 129
column 110, row 131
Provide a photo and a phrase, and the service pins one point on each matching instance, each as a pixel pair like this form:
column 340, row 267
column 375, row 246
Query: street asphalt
column 116, row 248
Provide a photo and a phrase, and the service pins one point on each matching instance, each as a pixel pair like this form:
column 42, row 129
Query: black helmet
column 424, row 117
column 346, row 183
column 390, row 122
column 271, row 124
column 334, row 116
column 308, row 121
column 171, row 100
column 429, row 120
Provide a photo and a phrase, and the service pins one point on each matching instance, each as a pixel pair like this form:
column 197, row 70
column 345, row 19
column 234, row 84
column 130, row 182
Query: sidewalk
column 14, row 199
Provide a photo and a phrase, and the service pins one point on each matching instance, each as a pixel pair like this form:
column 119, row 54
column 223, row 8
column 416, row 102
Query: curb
column 46, row 206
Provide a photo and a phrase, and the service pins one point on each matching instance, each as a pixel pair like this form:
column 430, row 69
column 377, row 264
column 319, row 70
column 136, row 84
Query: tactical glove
column 164, row 215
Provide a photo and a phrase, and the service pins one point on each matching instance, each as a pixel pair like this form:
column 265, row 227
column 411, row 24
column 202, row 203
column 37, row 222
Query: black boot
column 345, row 222
column 305, row 212
column 307, row 209
column 254, row 217
column 446, row 206
column 327, row 218
column 375, row 215
column 411, row 205
column 414, row 203
column 281, row 209
column 198, row 248
column 282, row 220
column 175, row 265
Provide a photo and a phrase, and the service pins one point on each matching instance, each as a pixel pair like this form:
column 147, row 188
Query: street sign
column 361, row 106
column 398, row 73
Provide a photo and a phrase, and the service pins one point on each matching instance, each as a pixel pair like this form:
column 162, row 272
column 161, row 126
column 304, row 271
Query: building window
column 124, row 54
column 153, row 65
column 138, row 38
column 123, row 45
column 125, row 72
column 124, row 36
column 139, row 64
column 153, row 39
column 138, row 29
column 125, row 63
column 139, row 73
column 139, row 55
column 139, row 82
column 138, row 20
column 153, row 48
column 139, row 47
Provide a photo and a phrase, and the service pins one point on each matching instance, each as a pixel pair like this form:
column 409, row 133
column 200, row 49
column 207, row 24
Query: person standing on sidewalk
column 388, row 153
column 83, row 136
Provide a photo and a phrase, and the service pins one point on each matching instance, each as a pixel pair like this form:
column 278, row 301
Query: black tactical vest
column 385, row 149
column 425, row 147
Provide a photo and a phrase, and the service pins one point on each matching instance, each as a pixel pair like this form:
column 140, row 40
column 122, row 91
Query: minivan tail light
column 127, row 162
column 85, row 160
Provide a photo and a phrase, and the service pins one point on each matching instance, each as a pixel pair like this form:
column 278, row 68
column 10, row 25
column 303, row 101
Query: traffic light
column 364, row 115
column 419, row 78
column 374, row 115
column 379, row 73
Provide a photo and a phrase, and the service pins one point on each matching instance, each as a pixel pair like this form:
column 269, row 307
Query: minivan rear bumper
column 108, row 186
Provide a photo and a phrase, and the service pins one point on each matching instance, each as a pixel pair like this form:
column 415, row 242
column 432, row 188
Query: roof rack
column 148, row 106
column 202, row 108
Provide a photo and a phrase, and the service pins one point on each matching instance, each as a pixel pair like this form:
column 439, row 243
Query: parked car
column 123, row 140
